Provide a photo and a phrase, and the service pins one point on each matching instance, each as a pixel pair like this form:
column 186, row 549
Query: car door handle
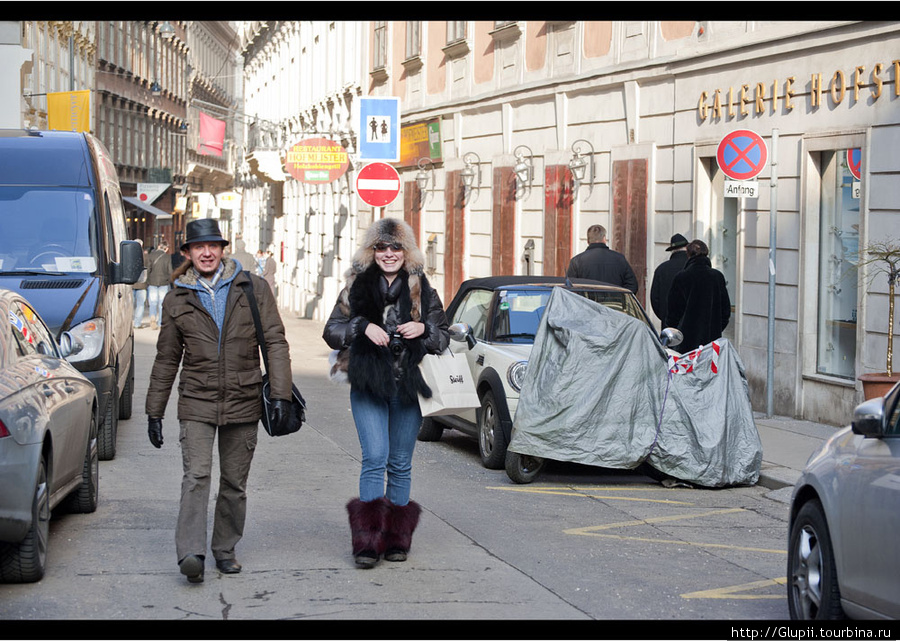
column 48, row 392
column 70, row 389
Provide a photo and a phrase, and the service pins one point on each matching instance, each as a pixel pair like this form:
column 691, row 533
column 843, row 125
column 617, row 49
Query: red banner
column 212, row 136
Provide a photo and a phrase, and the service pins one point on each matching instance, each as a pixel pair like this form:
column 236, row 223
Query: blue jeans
column 387, row 435
column 140, row 298
column 155, row 295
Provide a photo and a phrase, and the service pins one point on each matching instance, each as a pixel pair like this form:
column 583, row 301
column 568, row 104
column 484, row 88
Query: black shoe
column 192, row 567
column 366, row 559
column 395, row 554
column 228, row 566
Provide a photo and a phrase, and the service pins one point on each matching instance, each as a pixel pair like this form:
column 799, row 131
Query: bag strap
column 260, row 338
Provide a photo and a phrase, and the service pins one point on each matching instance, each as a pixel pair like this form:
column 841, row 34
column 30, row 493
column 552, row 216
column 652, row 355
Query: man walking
column 662, row 277
column 599, row 262
column 158, row 274
column 206, row 320
column 699, row 304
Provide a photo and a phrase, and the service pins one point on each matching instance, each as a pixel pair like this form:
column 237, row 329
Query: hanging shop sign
column 317, row 160
column 420, row 140
column 742, row 155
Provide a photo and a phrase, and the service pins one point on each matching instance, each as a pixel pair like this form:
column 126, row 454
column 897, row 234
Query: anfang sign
column 317, row 160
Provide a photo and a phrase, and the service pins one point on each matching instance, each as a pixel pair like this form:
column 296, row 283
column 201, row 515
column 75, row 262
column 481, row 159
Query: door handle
column 48, row 392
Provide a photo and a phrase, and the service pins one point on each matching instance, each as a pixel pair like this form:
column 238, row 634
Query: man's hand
column 280, row 411
column 154, row 431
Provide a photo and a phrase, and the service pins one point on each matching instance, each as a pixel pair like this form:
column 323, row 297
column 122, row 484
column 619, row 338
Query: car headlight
column 90, row 333
column 516, row 374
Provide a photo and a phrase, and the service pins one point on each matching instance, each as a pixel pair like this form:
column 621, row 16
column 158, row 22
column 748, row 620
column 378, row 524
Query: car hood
column 56, row 297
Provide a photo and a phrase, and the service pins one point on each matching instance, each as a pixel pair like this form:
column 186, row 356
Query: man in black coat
column 599, row 262
column 698, row 302
column 662, row 277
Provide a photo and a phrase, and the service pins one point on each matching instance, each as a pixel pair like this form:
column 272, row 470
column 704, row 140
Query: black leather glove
column 280, row 411
column 154, row 431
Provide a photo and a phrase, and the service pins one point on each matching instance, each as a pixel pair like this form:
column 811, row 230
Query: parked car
column 843, row 558
column 48, row 437
column 502, row 314
column 64, row 246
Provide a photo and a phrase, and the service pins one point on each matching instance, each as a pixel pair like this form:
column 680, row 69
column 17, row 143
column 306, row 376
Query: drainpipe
column 773, row 220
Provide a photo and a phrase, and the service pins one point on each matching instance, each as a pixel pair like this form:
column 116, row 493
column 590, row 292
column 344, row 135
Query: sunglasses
column 383, row 247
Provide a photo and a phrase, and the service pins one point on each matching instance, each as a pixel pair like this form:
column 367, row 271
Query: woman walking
column 386, row 319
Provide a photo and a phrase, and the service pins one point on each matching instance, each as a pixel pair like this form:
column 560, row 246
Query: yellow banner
column 69, row 110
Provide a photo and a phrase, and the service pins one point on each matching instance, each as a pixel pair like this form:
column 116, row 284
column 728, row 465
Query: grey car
column 843, row 557
column 48, row 437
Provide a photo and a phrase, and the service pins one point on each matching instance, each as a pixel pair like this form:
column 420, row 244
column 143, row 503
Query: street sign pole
column 773, row 223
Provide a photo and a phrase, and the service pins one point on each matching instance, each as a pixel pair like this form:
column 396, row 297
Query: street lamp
column 166, row 30
column 580, row 163
column 524, row 169
column 422, row 179
column 471, row 171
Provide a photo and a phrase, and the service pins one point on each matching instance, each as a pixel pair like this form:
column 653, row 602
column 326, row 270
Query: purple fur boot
column 401, row 522
column 367, row 525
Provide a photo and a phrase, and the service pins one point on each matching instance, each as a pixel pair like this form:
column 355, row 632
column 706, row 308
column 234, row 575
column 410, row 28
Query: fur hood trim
column 188, row 277
column 388, row 230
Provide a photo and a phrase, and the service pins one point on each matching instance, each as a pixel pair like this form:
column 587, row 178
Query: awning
column 150, row 209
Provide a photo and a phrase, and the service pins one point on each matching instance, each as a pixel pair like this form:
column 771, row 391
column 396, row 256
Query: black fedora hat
column 202, row 230
column 677, row 242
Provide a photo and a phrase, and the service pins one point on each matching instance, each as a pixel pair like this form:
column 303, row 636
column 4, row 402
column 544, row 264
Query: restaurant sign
column 420, row 140
column 317, row 160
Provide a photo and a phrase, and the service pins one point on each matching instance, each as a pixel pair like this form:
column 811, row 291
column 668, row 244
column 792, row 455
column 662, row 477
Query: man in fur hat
column 220, row 390
column 386, row 319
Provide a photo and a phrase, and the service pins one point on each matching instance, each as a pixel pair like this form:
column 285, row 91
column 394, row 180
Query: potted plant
column 882, row 257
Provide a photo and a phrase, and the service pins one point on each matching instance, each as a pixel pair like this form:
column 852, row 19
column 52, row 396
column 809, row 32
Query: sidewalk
column 787, row 443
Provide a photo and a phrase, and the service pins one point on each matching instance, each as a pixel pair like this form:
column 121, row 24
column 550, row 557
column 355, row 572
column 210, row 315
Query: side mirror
column 869, row 418
column 462, row 332
column 131, row 263
column 69, row 345
column 671, row 337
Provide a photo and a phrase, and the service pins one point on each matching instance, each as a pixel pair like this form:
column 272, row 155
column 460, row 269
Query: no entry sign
column 742, row 154
column 378, row 184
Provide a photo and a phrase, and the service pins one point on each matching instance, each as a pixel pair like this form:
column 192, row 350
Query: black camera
column 396, row 344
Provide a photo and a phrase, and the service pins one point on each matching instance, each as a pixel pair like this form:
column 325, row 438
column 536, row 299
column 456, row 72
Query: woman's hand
column 377, row 335
column 412, row 329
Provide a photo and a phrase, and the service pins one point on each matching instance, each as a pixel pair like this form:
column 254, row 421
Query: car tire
column 491, row 440
column 126, row 402
column 430, row 430
column 813, row 590
column 25, row 562
column 84, row 500
column 523, row 468
column 106, row 440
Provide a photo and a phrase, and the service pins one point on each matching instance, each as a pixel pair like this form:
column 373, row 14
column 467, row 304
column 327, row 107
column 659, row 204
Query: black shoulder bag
column 298, row 406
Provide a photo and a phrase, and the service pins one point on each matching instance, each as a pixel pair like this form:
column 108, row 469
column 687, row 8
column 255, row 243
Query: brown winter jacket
column 218, row 386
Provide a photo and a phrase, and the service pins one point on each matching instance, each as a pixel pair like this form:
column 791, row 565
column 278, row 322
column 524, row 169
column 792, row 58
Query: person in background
column 208, row 328
column 599, row 262
column 663, row 275
column 388, row 317
column 245, row 258
column 269, row 269
column 260, row 262
column 699, row 304
column 158, row 275
column 140, row 292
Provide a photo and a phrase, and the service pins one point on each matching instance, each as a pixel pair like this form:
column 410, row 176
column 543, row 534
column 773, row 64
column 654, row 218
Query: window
column 413, row 39
column 838, row 247
column 456, row 30
column 380, row 53
column 473, row 311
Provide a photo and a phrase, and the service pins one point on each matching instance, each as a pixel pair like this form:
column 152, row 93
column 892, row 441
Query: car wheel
column 430, row 430
column 813, row 591
column 125, row 403
column 491, row 441
column 24, row 562
column 522, row 468
column 85, row 499
column 108, row 430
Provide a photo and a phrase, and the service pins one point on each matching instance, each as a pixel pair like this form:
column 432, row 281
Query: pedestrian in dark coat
column 599, row 262
column 699, row 304
column 385, row 320
column 662, row 277
column 207, row 327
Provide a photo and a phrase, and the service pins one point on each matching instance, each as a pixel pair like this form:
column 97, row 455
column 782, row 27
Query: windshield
column 519, row 312
column 47, row 229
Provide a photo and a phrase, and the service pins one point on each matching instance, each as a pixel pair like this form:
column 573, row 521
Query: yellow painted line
column 732, row 592
column 573, row 492
column 595, row 529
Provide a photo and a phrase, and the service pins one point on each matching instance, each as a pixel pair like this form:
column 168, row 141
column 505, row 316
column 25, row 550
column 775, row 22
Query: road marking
column 732, row 591
column 590, row 493
column 594, row 530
